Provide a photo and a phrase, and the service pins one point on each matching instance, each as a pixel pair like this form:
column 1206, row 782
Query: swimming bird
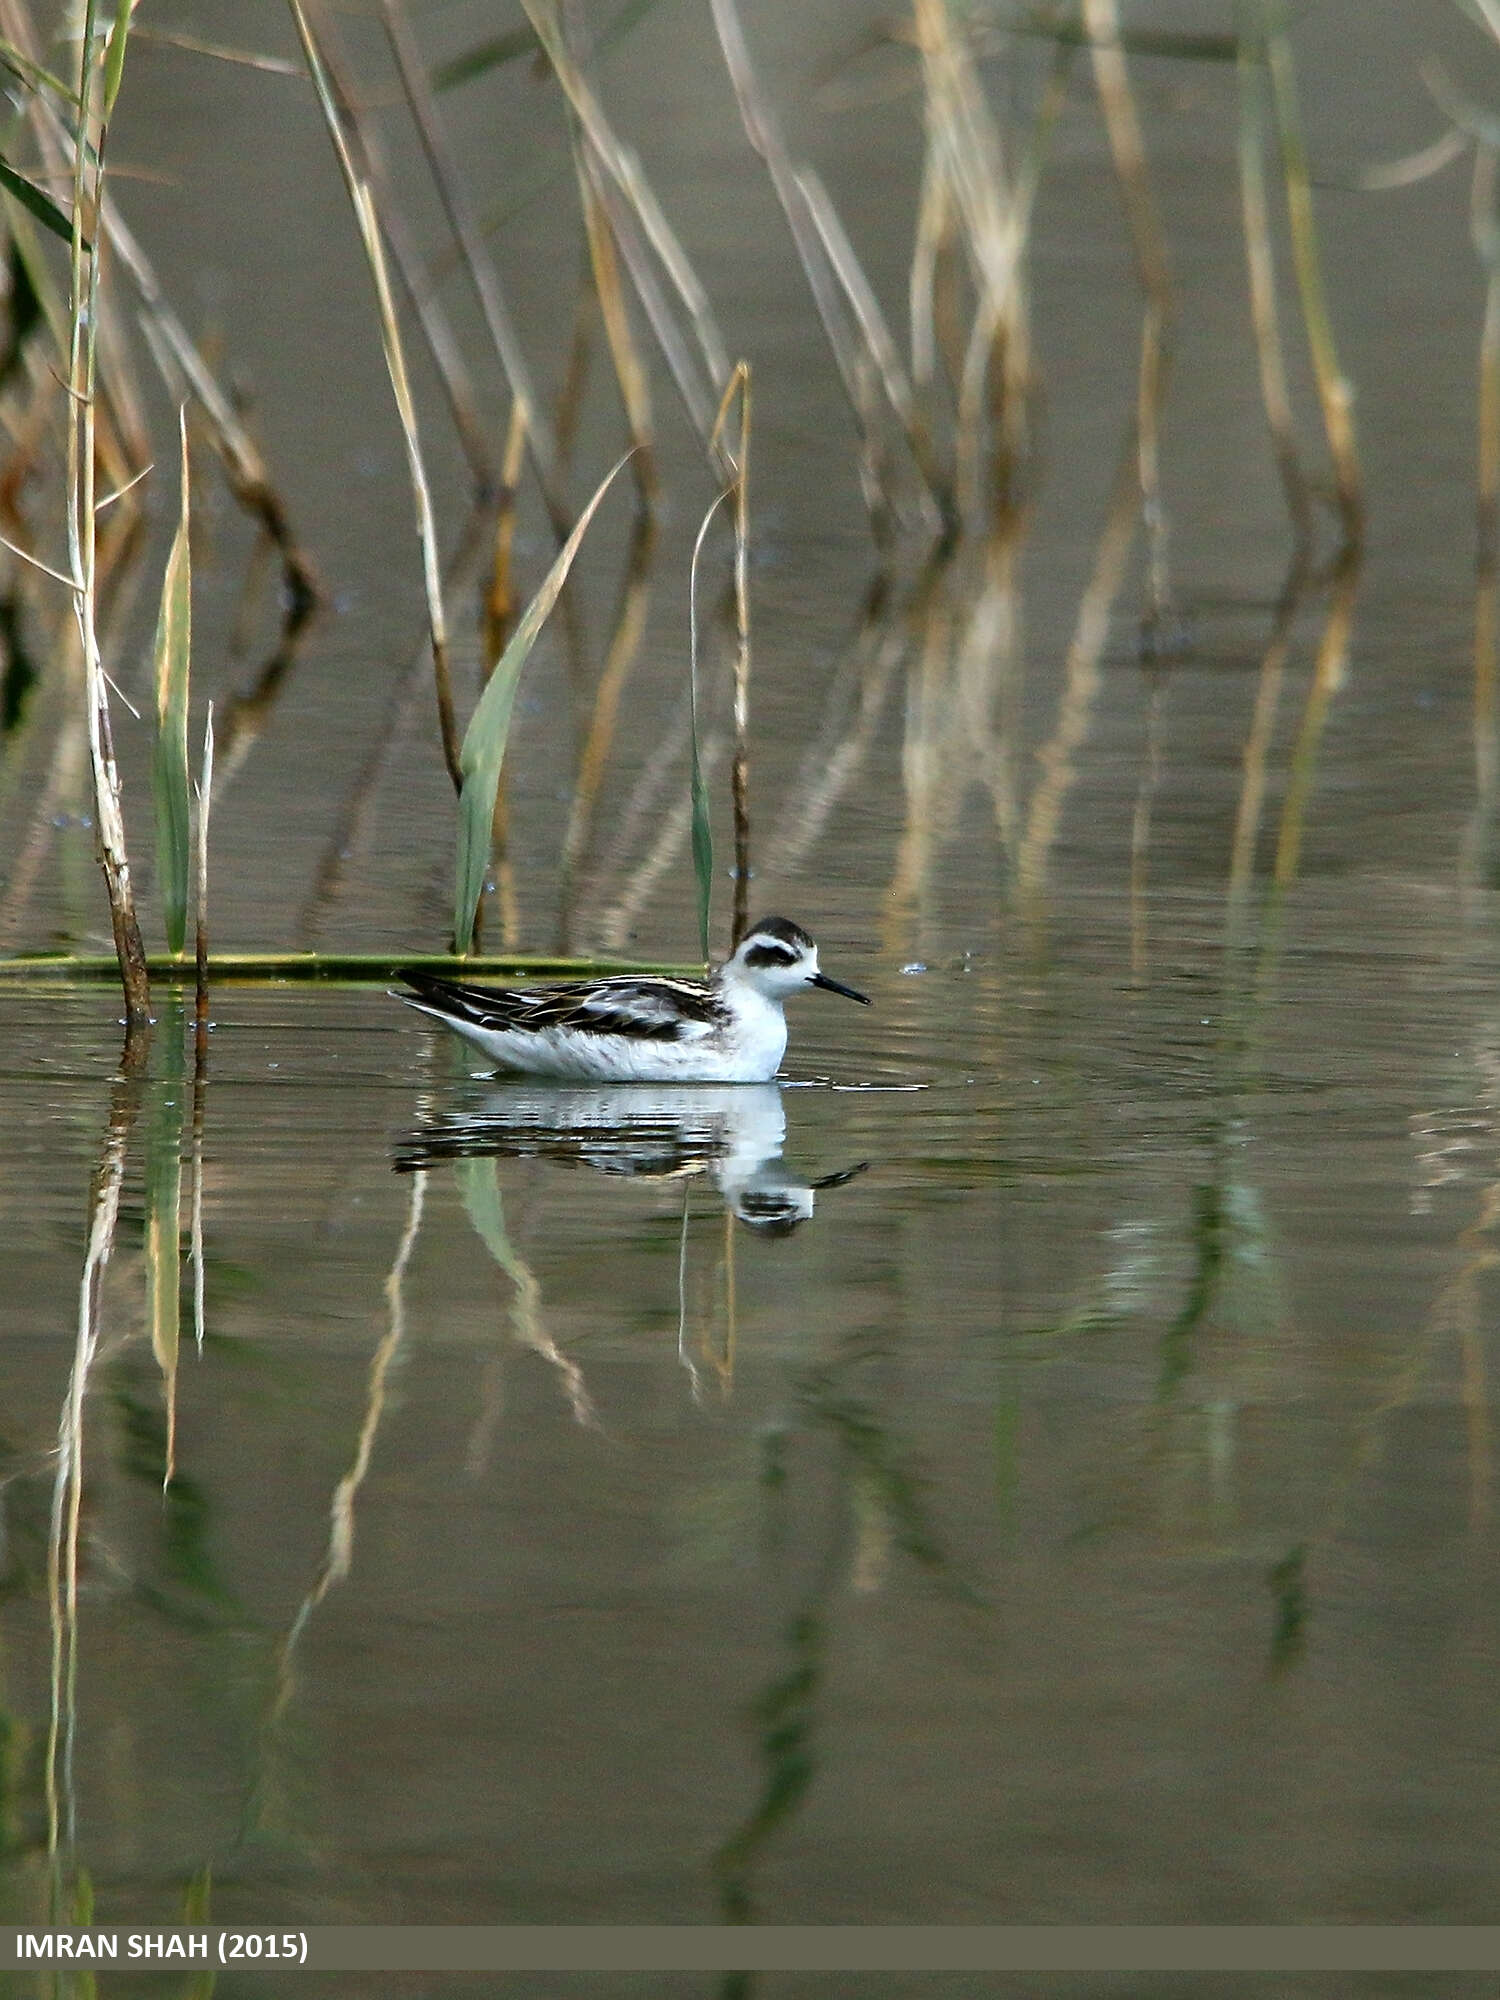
column 639, row 1028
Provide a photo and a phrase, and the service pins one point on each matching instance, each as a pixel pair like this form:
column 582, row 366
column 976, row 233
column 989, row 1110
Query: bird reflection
column 731, row 1134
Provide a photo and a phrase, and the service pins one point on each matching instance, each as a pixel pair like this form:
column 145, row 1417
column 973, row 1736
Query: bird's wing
column 656, row 1009
column 666, row 1010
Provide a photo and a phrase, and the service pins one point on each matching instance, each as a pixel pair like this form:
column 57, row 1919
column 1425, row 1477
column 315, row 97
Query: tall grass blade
column 170, row 788
column 484, row 742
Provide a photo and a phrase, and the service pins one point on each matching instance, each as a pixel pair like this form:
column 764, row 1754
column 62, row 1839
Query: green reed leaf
column 36, row 203
column 484, row 742
column 484, row 57
column 114, row 56
column 170, row 786
column 519, row 42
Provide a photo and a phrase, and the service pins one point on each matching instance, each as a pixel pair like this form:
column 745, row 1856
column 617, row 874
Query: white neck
column 758, row 1025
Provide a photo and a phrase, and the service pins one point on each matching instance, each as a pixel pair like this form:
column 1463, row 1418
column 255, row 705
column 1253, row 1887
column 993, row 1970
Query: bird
column 634, row 1028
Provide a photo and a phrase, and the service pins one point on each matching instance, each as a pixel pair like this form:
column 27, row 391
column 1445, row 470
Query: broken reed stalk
column 363, row 204
column 1335, row 393
column 738, row 467
column 483, row 276
column 95, row 103
column 1101, row 20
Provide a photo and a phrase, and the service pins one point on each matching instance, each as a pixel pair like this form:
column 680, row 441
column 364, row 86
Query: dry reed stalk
column 500, row 593
column 739, row 468
column 477, row 261
column 184, row 370
column 636, row 222
column 880, row 348
column 1260, row 264
column 55, row 793
column 606, row 246
column 178, row 360
column 694, row 387
column 437, row 330
column 354, row 824
column 88, row 202
column 362, row 202
column 1335, row 393
column 577, row 364
column 701, row 820
column 859, row 364
column 1101, row 21
column 634, row 187
column 967, row 159
column 630, row 374
column 624, row 647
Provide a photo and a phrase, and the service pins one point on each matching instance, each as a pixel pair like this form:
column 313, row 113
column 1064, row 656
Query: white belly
column 564, row 1052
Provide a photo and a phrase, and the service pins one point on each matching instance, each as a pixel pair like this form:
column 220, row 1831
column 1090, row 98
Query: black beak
column 832, row 986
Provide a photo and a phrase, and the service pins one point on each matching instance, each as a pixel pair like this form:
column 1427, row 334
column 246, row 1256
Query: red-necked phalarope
column 728, row 1029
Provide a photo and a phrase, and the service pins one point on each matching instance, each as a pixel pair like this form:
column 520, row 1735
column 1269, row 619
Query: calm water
column 1035, row 1465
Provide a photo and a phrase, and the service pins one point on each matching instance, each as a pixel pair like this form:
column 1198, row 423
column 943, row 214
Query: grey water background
column 1087, row 1513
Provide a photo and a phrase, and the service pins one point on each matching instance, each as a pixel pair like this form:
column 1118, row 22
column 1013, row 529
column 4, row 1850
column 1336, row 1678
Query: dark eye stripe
column 769, row 954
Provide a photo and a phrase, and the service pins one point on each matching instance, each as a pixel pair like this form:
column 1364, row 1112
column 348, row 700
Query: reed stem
column 88, row 201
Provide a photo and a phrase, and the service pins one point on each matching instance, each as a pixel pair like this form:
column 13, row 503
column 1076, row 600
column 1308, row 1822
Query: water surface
column 1035, row 1465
